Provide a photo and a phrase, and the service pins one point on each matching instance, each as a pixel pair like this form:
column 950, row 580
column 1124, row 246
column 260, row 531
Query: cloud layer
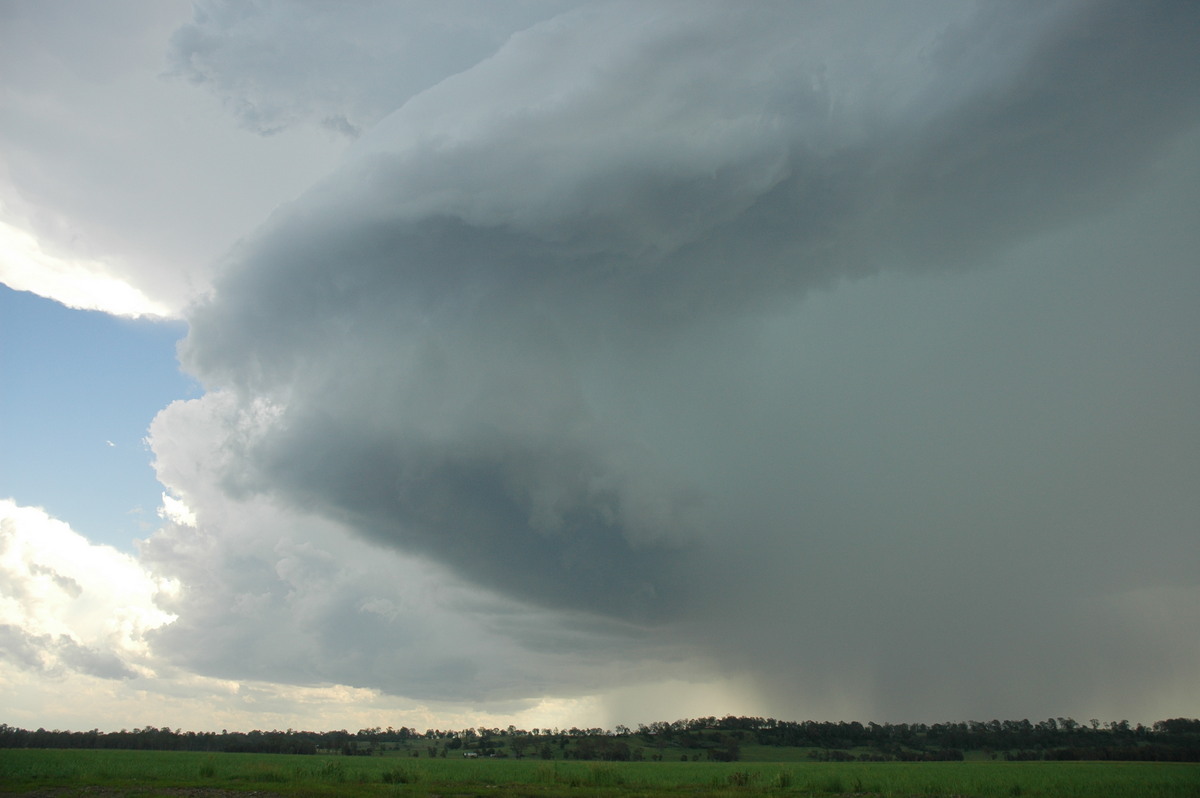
column 553, row 326
column 822, row 359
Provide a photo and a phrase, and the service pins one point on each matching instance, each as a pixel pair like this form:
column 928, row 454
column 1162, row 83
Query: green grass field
column 161, row 773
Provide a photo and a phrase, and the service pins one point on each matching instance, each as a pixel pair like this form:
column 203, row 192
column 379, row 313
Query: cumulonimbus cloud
column 518, row 331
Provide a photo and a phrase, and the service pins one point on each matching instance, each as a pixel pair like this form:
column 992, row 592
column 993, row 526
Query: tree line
column 708, row 738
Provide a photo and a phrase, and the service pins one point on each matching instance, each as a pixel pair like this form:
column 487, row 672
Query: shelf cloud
column 840, row 348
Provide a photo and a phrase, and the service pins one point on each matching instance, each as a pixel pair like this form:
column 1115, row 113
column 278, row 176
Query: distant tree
column 519, row 744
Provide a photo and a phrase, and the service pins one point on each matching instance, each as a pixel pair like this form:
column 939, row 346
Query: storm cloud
column 847, row 347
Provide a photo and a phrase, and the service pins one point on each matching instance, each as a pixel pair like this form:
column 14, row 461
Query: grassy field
column 162, row 773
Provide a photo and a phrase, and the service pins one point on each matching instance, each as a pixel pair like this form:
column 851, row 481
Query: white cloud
column 71, row 604
column 76, row 283
column 176, row 512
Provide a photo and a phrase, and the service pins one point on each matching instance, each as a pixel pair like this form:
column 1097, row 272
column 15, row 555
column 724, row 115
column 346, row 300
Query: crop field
column 146, row 774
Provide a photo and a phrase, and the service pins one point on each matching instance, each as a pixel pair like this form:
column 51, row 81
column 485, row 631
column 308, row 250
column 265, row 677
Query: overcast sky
column 594, row 363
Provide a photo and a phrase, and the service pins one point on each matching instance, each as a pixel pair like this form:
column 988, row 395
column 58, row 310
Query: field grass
column 159, row 773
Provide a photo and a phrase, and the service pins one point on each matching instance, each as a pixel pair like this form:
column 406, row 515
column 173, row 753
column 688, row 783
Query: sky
column 581, row 364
